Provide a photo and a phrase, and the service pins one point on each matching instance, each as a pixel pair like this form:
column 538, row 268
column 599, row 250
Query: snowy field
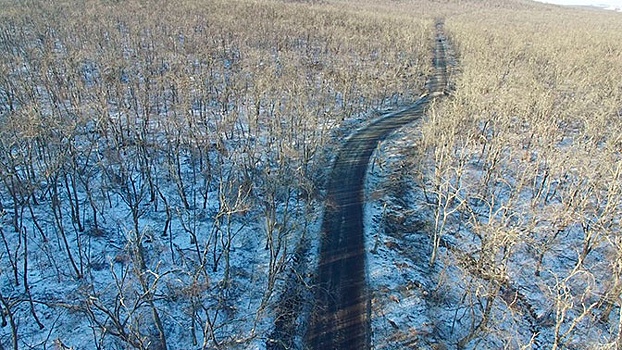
column 512, row 294
column 613, row 5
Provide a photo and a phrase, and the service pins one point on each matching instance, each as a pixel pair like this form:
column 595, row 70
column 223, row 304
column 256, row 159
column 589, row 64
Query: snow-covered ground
column 100, row 264
column 613, row 5
column 530, row 291
column 397, row 245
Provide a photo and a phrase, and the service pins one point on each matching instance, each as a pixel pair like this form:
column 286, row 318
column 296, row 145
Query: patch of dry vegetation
column 524, row 180
column 144, row 144
column 158, row 158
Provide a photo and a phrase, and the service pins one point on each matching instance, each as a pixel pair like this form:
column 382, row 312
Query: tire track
column 341, row 314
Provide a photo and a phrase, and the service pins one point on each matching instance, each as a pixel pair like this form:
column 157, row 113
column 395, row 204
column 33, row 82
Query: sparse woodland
column 520, row 171
column 162, row 161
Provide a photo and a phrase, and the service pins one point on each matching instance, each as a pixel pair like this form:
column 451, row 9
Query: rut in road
column 341, row 314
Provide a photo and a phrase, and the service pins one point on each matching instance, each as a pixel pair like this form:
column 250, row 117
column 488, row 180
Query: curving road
column 341, row 315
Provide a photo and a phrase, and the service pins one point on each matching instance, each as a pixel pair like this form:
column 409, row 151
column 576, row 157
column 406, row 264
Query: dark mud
column 340, row 318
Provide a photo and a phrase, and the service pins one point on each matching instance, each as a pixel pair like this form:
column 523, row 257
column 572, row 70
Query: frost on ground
column 160, row 163
column 512, row 268
column 398, row 249
column 199, row 295
column 112, row 255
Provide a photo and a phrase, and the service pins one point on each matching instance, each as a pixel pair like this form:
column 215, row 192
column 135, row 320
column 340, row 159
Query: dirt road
column 341, row 315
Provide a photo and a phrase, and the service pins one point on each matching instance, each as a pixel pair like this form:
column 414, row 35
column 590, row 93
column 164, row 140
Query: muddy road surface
column 341, row 314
